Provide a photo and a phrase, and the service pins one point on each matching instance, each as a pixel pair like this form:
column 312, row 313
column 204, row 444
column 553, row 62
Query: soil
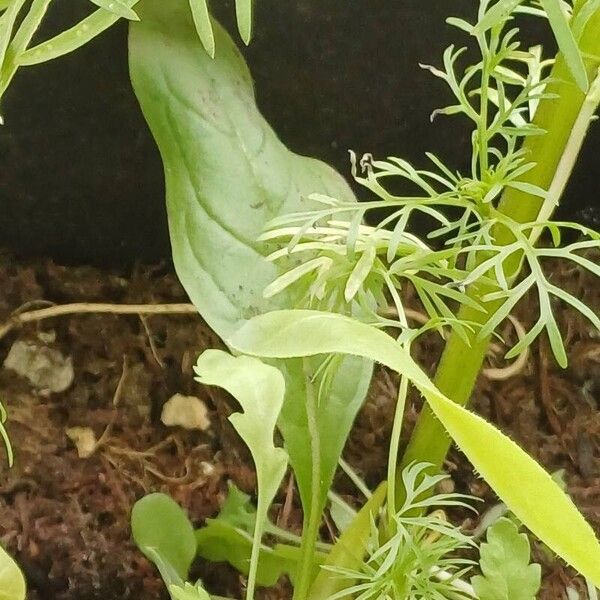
column 66, row 518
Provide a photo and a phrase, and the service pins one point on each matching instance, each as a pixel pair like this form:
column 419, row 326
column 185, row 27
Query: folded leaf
column 528, row 490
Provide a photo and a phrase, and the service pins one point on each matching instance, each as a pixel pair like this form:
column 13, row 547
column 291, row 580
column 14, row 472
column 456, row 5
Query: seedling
column 273, row 250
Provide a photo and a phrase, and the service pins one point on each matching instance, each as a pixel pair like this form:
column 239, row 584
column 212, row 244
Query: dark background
column 81, row 180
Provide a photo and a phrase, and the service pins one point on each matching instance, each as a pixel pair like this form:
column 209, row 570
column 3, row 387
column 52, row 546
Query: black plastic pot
column 81, row 179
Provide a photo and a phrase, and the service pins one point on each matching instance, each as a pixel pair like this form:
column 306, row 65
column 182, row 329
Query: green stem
column 461, row 362
column 311, row 528
column 394, row 450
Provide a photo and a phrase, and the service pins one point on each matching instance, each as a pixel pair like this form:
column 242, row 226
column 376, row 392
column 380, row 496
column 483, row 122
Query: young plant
column 310, row 302
column 354, row 269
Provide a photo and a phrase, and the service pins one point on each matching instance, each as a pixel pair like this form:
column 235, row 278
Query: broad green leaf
column 243, row 10
column 566, row 42
column 517, row 479
column 117, row 7
column 73, row 38
column 203, row 24
column 504, row 561
column 336, row 412
column 227, row 174
column 165, row 535
column 260, row 389
column 12, row 582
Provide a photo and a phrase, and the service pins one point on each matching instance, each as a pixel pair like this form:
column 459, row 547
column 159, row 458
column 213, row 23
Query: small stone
column 188, row 412
column 84, row 439
column 45, row 368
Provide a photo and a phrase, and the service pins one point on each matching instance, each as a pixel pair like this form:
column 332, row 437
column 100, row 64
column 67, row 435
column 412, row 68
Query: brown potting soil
column 66, row 518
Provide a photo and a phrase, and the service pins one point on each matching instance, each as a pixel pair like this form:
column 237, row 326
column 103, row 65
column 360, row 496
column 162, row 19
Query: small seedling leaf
column 117, row 7
column 12, row 582
column 203, row 24
column 260, row 389
column 243, row 9
column 163, row 532
column 504, row 560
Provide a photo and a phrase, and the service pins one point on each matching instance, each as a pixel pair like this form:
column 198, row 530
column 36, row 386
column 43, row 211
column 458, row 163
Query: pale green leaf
column 12, row 582
column 21, row 40
column 504, row 561
column 556, row 521
column 260, row 389
column 162, row 531
column 203, row 24
column 498, row 13
column 566, row 42
column 7, row 24
column 227, row 173
column 336, row 412
column 188, row 592
column 243, row 9
column 118, row 7
column 73, row 38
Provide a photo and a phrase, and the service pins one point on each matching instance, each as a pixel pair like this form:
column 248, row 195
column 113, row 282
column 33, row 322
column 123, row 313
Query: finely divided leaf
column 243, row 9
column 504, row 560
column 260, row 389
column 203, row 25
column 117, row 7
column 73, row 38
column 12, row 582
column 556, row 520
column 566, row 42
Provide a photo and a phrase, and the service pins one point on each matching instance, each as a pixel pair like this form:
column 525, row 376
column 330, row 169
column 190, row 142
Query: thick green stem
column 461, row 362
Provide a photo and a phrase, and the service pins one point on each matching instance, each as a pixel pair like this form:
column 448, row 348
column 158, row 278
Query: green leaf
column 118, row 8
column 504, row 560
column 336, row 412
column 259, row 388
column 219, row 541
column 226, row 539
column 496, row 15
column 243, row 10
column 73, row 38
column 188, row 592
column 556, row 520
column 203, row 24
column 165, row 535
column 566, row 42
column 7, row 24
column 12, row 582
column 227, row 173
